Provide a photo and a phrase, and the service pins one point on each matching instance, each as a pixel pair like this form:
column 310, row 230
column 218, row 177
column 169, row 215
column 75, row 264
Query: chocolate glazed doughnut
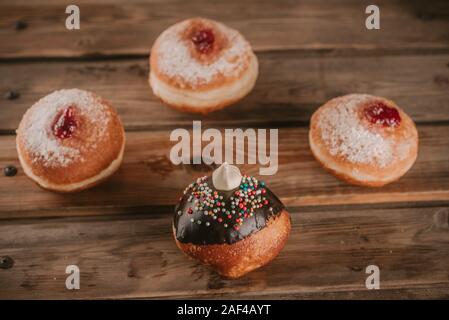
column 230, row 222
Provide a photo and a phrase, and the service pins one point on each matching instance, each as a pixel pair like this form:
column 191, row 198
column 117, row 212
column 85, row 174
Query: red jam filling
column 204, row 40
column 379, row 113
column 65, row 123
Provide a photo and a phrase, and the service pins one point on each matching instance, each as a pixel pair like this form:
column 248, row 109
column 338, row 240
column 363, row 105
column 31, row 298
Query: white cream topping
column 226, row 177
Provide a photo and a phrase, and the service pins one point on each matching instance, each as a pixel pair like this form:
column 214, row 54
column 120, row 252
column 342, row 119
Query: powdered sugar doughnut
column 200, row 65
column 70, row 140
column 364, row 139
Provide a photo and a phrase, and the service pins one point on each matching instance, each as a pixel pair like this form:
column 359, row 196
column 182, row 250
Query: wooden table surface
column 119, row 234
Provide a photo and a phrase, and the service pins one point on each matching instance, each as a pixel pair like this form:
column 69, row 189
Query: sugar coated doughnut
column 363, row 139
column 200, row 65
column 70, row 140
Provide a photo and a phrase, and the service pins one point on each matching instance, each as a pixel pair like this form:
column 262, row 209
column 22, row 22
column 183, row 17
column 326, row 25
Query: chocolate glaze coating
column 210, row 230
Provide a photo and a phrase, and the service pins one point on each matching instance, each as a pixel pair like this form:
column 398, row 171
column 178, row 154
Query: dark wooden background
column 119, row 233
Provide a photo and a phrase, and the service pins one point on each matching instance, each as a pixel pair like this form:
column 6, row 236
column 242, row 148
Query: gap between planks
column 328, row 250
column 149, row 181
column 289, row 89
column 113, row 28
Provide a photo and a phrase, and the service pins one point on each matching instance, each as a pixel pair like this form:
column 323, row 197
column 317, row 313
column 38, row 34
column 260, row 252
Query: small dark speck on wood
column 10, row 171
column 6, row 262
column 12, row 95
column 20, row 25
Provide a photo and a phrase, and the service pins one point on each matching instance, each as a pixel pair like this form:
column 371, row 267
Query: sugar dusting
column 346, row 136
column 39, row 139
column 176, row 61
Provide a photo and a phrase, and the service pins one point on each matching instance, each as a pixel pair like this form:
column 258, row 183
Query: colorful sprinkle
column 242, row 205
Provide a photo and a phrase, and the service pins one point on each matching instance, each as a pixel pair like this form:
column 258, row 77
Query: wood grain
column 148, row 181
column 115, row 28
column 290, row 87
column 136, row 257
column 119, row 233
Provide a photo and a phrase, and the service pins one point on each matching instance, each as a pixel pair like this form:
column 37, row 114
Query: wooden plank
column 433, row 291
column 115, row 28
column 149, row 182
column 289, row 89
column 137, row 258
